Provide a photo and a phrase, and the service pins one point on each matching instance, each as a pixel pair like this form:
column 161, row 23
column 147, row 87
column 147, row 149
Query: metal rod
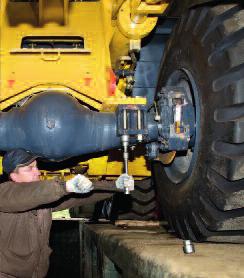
column 126, row 161
column 125, row 119
column 139, row 119
column 139, row 125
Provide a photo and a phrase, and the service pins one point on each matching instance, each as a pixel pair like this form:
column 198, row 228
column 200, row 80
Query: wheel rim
column 181, row 167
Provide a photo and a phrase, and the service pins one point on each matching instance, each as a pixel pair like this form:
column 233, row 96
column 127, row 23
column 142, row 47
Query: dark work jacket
column 25, row 222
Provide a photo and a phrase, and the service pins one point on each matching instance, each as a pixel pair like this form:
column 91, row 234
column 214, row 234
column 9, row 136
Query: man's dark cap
column 17, row 158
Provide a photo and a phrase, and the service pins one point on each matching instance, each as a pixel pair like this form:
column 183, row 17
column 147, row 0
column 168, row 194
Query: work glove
column 79, row 184
column 125, row 182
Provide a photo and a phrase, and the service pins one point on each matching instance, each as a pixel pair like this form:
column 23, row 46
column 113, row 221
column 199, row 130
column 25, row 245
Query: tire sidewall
column 186, row 52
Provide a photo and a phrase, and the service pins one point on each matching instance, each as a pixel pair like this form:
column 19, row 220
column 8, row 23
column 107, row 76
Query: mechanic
column 26, row 204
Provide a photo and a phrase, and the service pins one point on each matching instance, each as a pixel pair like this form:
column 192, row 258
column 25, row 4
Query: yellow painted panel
column 112, row 165
column 84, row 72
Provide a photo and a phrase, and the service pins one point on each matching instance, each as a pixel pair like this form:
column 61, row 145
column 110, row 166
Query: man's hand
column 79, row 184
column 124, row 182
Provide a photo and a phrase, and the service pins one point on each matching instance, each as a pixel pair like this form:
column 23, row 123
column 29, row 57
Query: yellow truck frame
column 109, row 29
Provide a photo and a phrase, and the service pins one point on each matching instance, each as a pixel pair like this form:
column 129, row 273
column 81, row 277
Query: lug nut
column 188, row 247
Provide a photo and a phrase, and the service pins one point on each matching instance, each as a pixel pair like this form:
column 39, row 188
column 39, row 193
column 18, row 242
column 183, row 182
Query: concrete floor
column 152, row 252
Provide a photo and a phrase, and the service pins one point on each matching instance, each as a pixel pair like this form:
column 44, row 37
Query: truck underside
column 160, row 80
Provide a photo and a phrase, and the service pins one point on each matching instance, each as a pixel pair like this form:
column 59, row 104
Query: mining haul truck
column 151, row 88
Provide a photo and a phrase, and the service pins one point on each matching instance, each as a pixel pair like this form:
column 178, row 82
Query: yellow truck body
column 98, row 34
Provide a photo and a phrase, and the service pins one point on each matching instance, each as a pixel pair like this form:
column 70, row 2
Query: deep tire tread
column 190, row 232
column 200, row 20
column 223, row 193
column 229, row 150
column 219, row 19
column 228, row 42
column 213, row 208
column 143, row 203
column 190, row 19
column 230, row 77
column 232, row 113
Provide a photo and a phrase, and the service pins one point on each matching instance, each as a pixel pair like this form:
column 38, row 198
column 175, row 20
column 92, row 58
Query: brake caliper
column 176, row 122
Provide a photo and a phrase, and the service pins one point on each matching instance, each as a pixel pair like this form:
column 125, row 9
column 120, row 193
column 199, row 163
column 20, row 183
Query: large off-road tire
column 139, row 205
column 202, row 191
